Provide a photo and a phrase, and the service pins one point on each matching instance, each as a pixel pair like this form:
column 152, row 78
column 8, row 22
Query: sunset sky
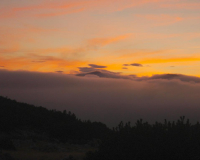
column 104, row 60
column 133, row 37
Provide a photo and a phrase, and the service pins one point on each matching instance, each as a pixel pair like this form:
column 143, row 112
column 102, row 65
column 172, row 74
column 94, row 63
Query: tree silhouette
column 166, row 141
column 64, row 126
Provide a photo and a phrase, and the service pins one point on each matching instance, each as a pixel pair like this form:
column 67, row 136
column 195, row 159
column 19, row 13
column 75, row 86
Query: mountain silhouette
column 62, row 125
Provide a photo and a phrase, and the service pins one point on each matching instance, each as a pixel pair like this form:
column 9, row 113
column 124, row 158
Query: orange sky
column 47, row 35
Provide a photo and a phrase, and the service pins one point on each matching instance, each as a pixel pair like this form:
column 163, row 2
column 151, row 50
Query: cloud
column 107, row 100
column 126, row 64
column 160, row 20
column 44, row 9
column 100, row 42
column 44, row 15
column 136, row 64
column 38, row 61
column 124, row 68
column 60, row 7
column 180, row 77
column 105, row 74
column 133, row 64
column 176, row 77
column 167, row 60
column 102, row 73
column 186, row 6
column 59, row 71
column 96, row 66
column 86, row 69
column 99, row 71
column 2, row 66
column 10, row 48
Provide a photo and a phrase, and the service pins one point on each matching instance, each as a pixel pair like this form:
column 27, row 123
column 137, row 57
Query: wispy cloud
column 50, row 8
column 39, row 63
column 167, row 60
column 59, row 71
column 106, row 41
column 53, row 14
column 136, row 64
column 181, row 5
column 160, row 20
column 96, row 66
column 133, row 64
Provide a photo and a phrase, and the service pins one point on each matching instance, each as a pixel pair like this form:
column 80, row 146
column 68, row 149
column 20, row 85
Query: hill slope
column 64, row 126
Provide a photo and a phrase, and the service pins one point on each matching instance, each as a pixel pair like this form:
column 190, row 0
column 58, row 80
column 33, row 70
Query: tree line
column 142, row 141
column 61, row 125
column 167, row 141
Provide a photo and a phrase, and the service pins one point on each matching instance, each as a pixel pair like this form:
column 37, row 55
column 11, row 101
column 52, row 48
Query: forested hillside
column 178, row 140
column 141, row 141
column 65, row 126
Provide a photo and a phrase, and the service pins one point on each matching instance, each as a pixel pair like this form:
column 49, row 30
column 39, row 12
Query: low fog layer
column 108, row 100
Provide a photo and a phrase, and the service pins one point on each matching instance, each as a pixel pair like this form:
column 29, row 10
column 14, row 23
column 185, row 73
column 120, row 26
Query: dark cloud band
column 108, row 100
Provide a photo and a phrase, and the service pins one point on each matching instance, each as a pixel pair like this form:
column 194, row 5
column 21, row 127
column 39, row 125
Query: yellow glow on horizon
column 48, row 36
column 170, row 60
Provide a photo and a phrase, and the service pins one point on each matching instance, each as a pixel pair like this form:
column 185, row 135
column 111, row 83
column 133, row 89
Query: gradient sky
column 157, row 36
column 104, row 60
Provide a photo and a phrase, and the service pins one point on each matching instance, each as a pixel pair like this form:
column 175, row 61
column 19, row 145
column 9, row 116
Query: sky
column 47, row 36
column 143, row 55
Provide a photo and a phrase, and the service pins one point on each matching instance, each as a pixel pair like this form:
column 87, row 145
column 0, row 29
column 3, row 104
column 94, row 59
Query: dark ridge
column 161, row 141
column 142, row 141
column 65, row 126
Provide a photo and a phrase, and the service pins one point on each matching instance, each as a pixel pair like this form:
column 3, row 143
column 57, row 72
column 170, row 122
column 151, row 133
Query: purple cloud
column 96, row 66
column 124, row 68
column 86, row 69
column 59, row 71
column 136, row 64
column 126, row 64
